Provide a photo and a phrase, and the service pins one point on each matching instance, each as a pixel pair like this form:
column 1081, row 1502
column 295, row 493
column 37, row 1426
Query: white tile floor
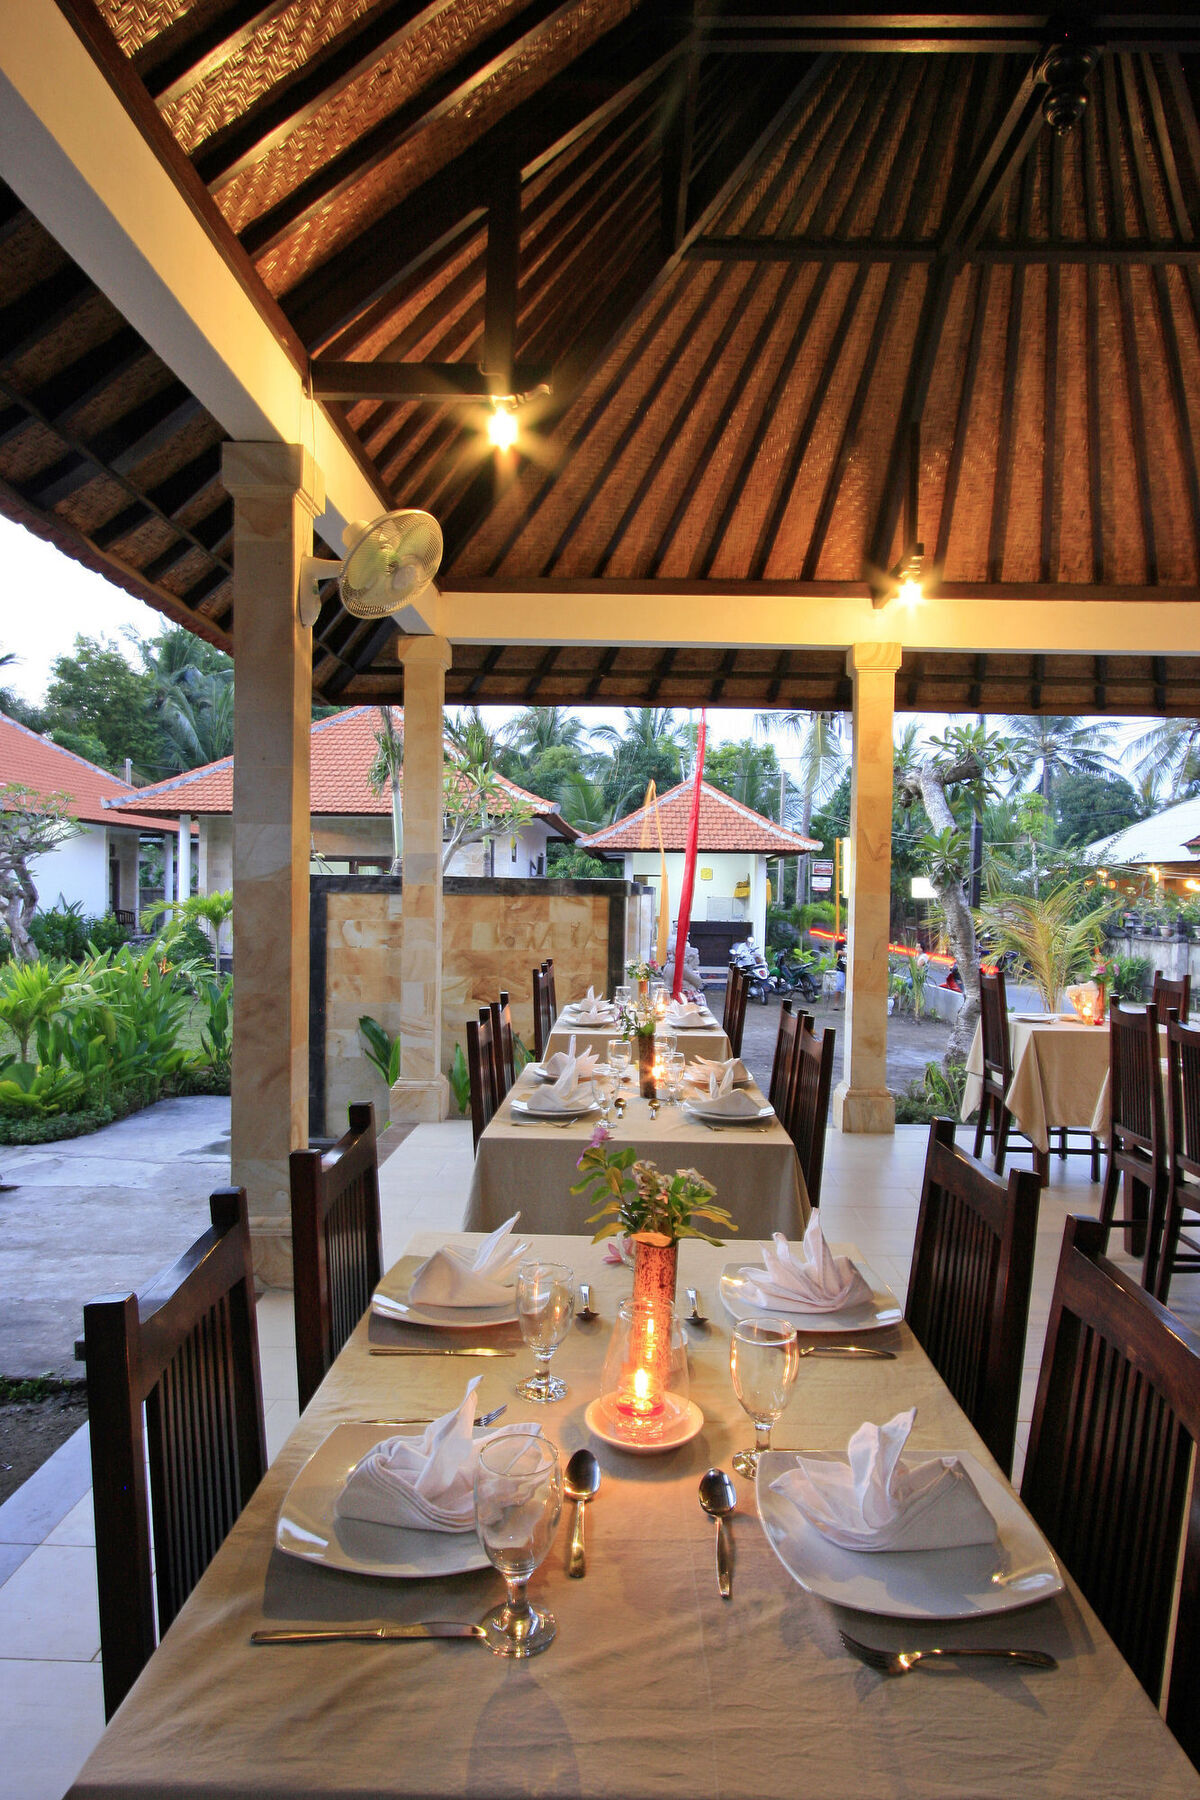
column 51, row 1708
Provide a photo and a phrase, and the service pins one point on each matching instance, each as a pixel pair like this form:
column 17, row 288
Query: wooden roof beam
column 973, row 33
column 181, row 57
column 437, row 382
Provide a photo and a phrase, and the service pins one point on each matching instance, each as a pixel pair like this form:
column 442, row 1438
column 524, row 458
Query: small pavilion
column 733, row 845
column 787, row 307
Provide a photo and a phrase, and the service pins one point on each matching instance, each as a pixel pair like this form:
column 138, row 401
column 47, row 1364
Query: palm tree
column 473, row 738
column 541, row 728
column 1057, row 746
column 823, row 758
column 581, row 802
column 648, row 749
column 1169, row 753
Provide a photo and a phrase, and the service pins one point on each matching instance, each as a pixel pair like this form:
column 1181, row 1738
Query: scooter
column 747, row 957
column 793, row 974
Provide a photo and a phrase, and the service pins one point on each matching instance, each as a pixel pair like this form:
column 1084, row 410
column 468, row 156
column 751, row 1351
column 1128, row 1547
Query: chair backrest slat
column 502, row 1046
column 808, row 1110
column 1168, row 995
column 1136, row 1112
column 993, row 1020
column 543, row 1014
column 185, row 1350
column 972, row 1274
column 481, row 1067
column 1108, row 1473
column 783, row 1067
column 733, row 1020
column 337, row 1251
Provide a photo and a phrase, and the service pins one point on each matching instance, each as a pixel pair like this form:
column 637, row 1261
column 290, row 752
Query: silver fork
column 899, row 1662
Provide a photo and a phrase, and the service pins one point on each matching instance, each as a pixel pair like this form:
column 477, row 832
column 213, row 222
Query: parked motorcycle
column 747, row 957
column 793, row 973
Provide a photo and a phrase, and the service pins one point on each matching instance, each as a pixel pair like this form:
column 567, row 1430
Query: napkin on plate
column 457, row 1276
column 586, row 1063
column 426, row 1483
column 876, row 1501
column 592, row 1006
column 811, row 1278
column 682, row 1013
column 724, row 1101
column 562, row 1095
column 704, row 1067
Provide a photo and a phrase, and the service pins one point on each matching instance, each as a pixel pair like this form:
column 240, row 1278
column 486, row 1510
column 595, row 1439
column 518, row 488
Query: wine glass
column 545, row 1307
column 621, row 994
column 763, row 1360
column 618, row 1061
column 604, row 1088
column 518, row 1499
column 673, row 1063
column 668, row 1041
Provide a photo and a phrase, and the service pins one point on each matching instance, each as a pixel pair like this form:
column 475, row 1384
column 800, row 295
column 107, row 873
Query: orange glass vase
column 655, row 1268
column 645, row 1050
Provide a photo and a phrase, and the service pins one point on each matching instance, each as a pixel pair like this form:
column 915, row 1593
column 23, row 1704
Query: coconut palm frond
column 1049, row 936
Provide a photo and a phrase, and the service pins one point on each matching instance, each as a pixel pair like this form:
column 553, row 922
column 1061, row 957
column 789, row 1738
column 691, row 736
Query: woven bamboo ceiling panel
column 778, row 272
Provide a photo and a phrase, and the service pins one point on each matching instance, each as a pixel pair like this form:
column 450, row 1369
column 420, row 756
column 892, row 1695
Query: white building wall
column 77, row 871
column 713, row 896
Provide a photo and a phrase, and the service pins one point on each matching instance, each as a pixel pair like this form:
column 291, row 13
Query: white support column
column 422, row 1093
column 276, row 491
column 183, row 861
column 861, row 1101
column 168, row 849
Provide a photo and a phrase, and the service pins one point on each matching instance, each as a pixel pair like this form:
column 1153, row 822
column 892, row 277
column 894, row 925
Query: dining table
column 527, row 1165
column 707, row 1038
column 655, row 1685
column 1059, row 1069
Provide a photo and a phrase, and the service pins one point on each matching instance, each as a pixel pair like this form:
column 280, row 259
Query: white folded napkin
column 586, row 1063
column 705, row 1067
column 811, row 1278
column 562, row 1095
column 592, row 1006
column 684, row 1013
column 726, row 1102
column 426, row 1483
column 458, row 1276
column 875, row 1501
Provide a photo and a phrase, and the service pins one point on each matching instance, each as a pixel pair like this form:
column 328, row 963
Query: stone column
column 276, row 490
column 861, row 1101
column 422, row 1092
column 127, row 872
column 183, row 861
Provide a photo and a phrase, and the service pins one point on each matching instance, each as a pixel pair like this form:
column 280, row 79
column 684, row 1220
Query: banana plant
column 382, row 1049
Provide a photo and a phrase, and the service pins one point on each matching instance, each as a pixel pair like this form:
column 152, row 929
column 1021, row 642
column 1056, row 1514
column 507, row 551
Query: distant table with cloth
column 693, row 1040
column 528, row 1167
column 1059, row 1067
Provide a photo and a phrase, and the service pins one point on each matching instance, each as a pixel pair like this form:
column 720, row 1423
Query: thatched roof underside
column 759, row 286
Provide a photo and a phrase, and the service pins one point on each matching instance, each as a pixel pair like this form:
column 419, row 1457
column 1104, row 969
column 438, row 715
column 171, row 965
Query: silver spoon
column 585, row 1311
column 718, row 1497
column 695, row 1317
column 581, row 1481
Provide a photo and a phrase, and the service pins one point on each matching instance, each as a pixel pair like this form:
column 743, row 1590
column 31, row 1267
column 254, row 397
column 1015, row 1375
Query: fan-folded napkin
column 724, row 1101
column 812, row 1277
column 704, row 1067
column 586, row 1062
column 592, row 1006
column 425, row 1483
column 563, row 1095
column 455, row 1276
column 684, row 1013
column 876, row 1501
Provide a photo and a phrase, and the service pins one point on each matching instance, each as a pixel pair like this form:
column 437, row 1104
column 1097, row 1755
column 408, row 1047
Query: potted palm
column 1050, row 936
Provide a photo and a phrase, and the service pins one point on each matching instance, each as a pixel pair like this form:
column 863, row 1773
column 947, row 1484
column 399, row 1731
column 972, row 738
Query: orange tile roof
column 342, row 749
column 725, row 824
column 43, row 767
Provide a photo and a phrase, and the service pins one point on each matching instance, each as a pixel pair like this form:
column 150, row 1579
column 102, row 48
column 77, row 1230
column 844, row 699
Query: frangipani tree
column 30, row 826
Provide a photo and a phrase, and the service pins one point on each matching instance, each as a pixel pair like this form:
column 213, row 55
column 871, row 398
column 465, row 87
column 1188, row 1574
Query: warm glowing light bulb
column 502, row 428
column 910, row 592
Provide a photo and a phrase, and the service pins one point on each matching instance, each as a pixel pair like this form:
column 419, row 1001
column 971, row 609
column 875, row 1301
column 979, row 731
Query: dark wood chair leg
column 1003, row 1123
column 985, row 1107
column 1095, row 1158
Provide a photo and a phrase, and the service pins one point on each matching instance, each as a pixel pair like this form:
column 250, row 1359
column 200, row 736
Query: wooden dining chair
column 174, row 1394
column 808, row 1112
column 1174, row 1249
column 733, row 1020
column 1137, row 1134
column 1107, row 1475
column 543, row 1015
column 481, row 1067
column 995, row 1120
column 1167, row 996
column 337, row 1249
column 783, row 1066
column 972, row 1274
column 502, row 1045
column 551, row 986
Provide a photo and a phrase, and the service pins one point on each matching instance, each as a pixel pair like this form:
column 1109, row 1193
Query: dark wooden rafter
column 1158, row 667
column 943, row 34
column 503, row 270
column 783, row 667
column 329, row 300
column 1007, row 422
column 40, row 310
column 677, row 144
column 975, row 691
column 1099, row 687
column 603, row 670
column 545, row 663
column 516, row 38
column 118, row 449
column 168, row 498
column 725, row 669
column 181, row 57
column 1060, row 254
column 64, row 395
column 485, row 668
column 1039, row 677
column 437, row 382
column 662, row 669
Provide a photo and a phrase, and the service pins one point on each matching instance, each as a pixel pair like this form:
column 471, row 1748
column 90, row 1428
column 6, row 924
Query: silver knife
column 484, row 1419
column 412, row 1350
column 367, row 1634
column 846, row 1350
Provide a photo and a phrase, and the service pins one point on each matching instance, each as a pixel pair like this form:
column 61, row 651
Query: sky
column 50, row 600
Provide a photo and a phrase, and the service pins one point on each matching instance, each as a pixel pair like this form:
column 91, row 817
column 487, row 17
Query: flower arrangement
column 639, row 1199
column 642, row 970
column 1104, row 972
column 637, row 1021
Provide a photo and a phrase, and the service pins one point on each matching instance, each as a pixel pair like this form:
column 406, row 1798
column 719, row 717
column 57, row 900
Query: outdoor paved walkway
column 98, row 1215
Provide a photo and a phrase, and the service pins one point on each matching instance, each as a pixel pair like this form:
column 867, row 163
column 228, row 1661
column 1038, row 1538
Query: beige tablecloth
column 705, row 1040
column 655, row 1686
column 529, row 1167
column 1058, row 1071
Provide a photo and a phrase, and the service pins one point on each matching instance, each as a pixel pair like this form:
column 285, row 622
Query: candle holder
column 644, row 1389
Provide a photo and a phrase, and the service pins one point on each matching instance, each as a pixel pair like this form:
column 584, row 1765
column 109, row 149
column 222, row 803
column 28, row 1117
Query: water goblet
column 622, row 994
column 604, row 1089
column 619, row 1053
column 669, row 1042
column 545, row 1307
column 518, row 1499
column 674, row 1062
column 763, row 1360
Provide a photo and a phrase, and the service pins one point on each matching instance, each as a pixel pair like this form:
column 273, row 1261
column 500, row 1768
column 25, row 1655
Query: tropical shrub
column 938, row 1095
column 69, row 932
column 1051, row 935
column 383, row 1050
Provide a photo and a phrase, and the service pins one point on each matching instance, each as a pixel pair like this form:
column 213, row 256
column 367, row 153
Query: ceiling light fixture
column 502, row 426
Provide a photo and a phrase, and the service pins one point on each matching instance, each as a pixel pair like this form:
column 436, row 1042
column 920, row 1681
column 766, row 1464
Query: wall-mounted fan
column 389, row 561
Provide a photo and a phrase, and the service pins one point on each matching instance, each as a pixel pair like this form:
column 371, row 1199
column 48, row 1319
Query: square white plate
column 913, row 1584
column 308, row 1528
column 393, row 1291
column 871, row 1315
